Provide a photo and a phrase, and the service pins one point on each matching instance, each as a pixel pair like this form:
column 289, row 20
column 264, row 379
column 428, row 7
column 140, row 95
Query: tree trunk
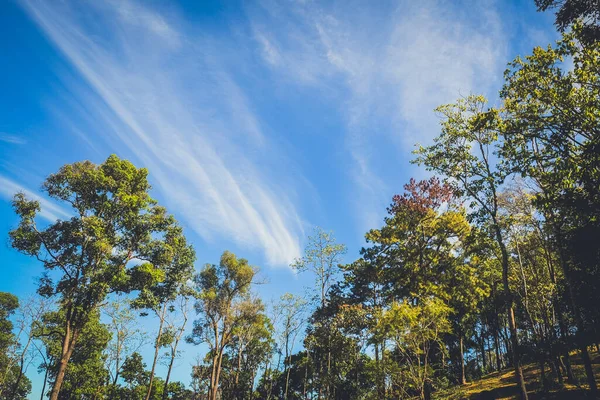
column 45, row 381
column 164, row 395
column 239, row 366
column 463, row 378
column 305, row 375
column 287, row 383
column 555, row 369
column 497, row 348
column 213, row 377
column 511, row 316
column 156, row 349
column 543, row 374
column 215, row 389
column 482, row 345
column 68, row 345
column 18, row 380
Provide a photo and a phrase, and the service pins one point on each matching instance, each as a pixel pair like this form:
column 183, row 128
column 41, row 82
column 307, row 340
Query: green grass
column 502, row 385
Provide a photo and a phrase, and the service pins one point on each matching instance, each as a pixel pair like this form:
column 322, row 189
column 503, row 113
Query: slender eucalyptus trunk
column 286, row 364
column 511, row 316
column 463, row 378
column 45, row 382
column 171, row 362
column 21, row 367
column 497, row 348
column 156, row 349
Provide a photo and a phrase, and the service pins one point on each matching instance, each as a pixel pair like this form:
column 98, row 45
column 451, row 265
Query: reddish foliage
column 421, row 196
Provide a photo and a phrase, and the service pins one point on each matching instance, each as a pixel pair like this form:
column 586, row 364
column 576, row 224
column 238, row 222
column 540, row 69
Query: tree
column 114, row 222
column 27, row 320
column 322, row 256
column 416, row 330
column 571, row 12
column 221, row 290
column 12, row 383
column 160, row 296
column 465, row 153
column 126, row 336
column 86, row 376
column 291, row 309
column 135, row 375
column 175, row 330
column 552, row 137
column 424, row 251
column 250, row 346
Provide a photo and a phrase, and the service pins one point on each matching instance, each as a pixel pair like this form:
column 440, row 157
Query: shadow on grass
column 503, row 385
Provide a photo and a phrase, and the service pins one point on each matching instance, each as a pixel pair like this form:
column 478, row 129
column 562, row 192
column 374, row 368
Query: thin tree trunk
column 543, row 374
column 305, row 374
column 216, row 387
column 511, row 316
column 45, row 381
column 213, row 376
column 156, row 349
column 555, row 368
column 463, row 378
column 515, row 351
column 482, row 344
column 164, row 394
column 67, row 349
column 497, row 348
column 287, row 383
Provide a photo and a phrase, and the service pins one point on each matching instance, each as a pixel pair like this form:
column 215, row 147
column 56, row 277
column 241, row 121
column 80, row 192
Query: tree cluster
column 492, row 263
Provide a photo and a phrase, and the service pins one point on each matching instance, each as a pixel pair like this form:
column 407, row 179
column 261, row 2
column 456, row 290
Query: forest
column 490, row 264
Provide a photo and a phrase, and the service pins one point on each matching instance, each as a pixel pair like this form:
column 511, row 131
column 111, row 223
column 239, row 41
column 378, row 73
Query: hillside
column 502, row 385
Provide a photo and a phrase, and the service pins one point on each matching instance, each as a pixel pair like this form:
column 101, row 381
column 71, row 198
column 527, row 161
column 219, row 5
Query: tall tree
column 160, row 296
column 87, row 375
column 416, row 330
column 466, row 154
column 291, row 309
column 553, row 138
column 127, row 337
column 88, row 256
column 176, row 328
column 221, row 289
column 12, row 383
column 322, row 256
column 27, row 320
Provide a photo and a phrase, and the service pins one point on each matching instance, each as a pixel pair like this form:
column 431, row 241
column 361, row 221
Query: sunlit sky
column 256, row 119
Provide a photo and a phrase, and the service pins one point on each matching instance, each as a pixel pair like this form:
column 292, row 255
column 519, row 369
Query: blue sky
column 257, row 119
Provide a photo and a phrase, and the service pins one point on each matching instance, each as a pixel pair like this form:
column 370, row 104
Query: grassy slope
column 502, row 385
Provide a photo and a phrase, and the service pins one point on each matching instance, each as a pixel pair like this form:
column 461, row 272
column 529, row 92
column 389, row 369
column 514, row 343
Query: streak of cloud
column 394, row 65
column 49, row 211
column 12, row 139
column 172, row 105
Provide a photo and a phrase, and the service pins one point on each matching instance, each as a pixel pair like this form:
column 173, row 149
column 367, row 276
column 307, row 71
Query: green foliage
column 86, row 376
column 573, row 12
column 224, row 310
column 417, row 330
column 435, row 298
column 11, row 385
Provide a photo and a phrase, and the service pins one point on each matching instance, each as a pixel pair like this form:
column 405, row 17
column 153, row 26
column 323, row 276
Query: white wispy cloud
column 392, row 67
column 49, row 211
column 12, row 139
column 167, row 98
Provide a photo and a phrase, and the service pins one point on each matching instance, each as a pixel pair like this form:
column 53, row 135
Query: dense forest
column 492, row 263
